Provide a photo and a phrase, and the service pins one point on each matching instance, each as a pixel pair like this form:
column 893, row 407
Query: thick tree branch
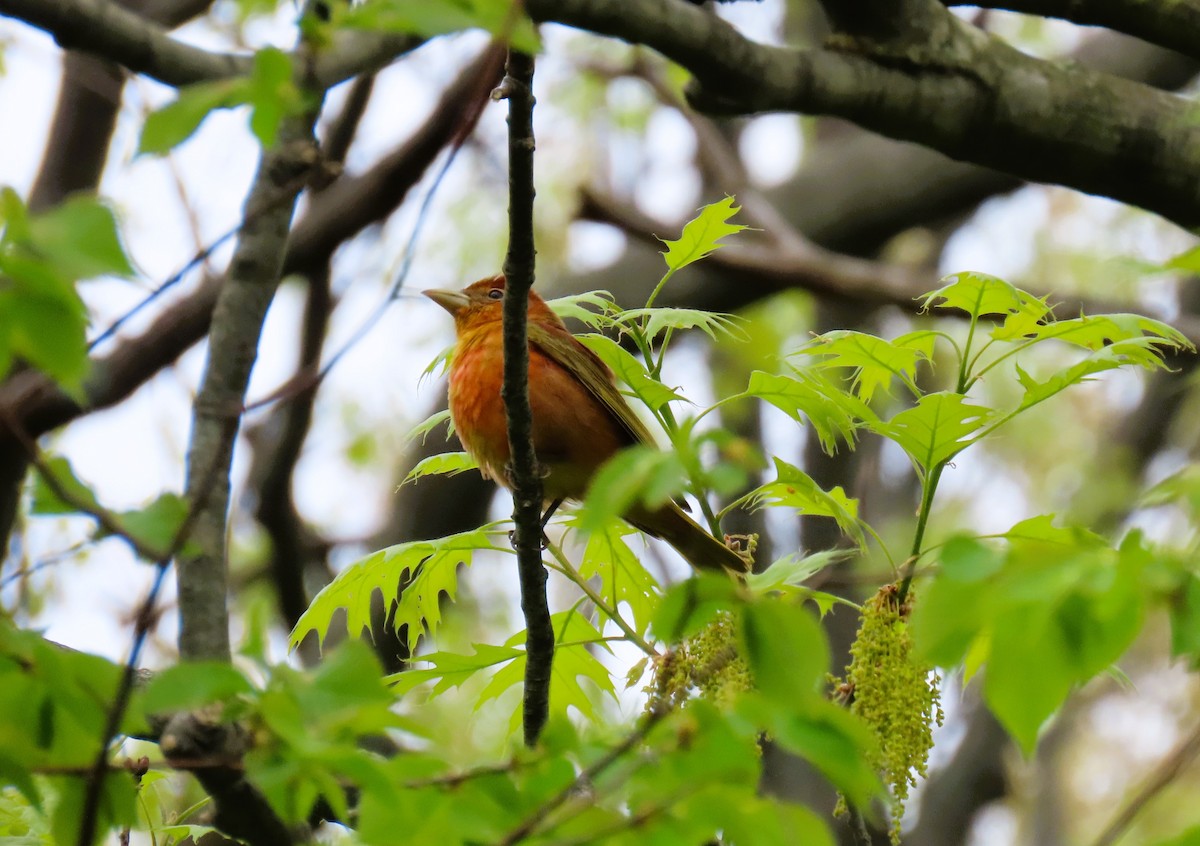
column 106, row 29
column 958, row 91
column 517, row 86
column 233, row 340
column 1174, row 25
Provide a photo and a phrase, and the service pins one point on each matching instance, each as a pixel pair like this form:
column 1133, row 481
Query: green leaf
column 1052, row 610
column 659, row 319
column 637, row 474
column 691, row 605
column 80, row 237
column 826, row 735
column 979, row 294
column 791, row 571
column 785, row 647
column 272, row 94
column 193, row 684
column 177, row 121
column 875, row 361
column 422, row 429
column 46, row 332
column 939, row 427
column 631, row 371
column 574, row 659
column 430, row 567
column 622, row 576
column 450, row 669
column 591, row 308
column 1184, row 609
column 793, row 488
column 442, row 17
column 835, row 414
column 443, row 464
column 157, row 525
column 1142, row 352
column 46, row 501
column 702, row 234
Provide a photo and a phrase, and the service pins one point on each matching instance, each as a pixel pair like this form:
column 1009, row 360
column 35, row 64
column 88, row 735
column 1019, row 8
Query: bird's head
column 482, row 303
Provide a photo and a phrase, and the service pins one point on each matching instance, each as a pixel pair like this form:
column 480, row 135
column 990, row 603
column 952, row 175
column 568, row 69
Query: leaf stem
column 565, row 567
column 927, row 492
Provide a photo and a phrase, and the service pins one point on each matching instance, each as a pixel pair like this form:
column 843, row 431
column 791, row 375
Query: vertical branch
column 232, row 348
column 517, row 86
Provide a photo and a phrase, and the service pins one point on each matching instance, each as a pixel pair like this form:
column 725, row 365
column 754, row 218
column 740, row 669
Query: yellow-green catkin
column 707, row 662
column 894, row 694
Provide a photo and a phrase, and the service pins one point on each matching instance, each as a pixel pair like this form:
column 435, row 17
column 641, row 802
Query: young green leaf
column 660, row 319
column 430, row 567
column 691, row 605
column 835, row 414
column 591, row 308
column 46, row 501
column 442, row 464
column 793, row 488
column 638, row 474
column 451, row 669
column 631, row 371
column 875, row 361
column 785, row 647
column 430, row 19
column 193, row 684
column 702, row 234
column 422, row 429
column 979, row 294
column 622, row 576
column 177, row 121
column 936, row 429
column 80, row 237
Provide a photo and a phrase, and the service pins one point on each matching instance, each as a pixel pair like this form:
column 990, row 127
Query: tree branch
column 517, row 86
column 958, row 90
column 106, row 29
column 1174, row 25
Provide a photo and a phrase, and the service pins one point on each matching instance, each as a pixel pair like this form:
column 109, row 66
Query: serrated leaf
column 422, row 429
column 936, row 429
column 875, row 361
column 702, row 234
column 834, row 414
column 450, row 669
column 1097, row 331
column 793, row 570
column 442, row 464
column 979, row 294
column 631, row 371
column 659, row 319
column 1141, row 352
column 623, row 578
column 591, row 308
column 574, row 659
column 431, row 568
column 793, row 488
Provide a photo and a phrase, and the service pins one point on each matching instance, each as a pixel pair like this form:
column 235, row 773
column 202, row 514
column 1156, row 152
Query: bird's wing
column 565, row 350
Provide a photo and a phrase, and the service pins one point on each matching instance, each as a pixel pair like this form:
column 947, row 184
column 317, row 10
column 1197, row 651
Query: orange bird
column 580, row 418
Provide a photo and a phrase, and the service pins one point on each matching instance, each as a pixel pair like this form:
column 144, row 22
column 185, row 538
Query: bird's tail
column 698, row 547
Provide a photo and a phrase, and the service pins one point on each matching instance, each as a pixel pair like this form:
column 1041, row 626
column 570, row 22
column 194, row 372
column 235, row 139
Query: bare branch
column 958, row 90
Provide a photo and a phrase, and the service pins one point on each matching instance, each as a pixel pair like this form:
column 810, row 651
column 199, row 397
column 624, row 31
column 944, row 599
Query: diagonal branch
column 106, row 29
column 957, row 90
column 1174, row 25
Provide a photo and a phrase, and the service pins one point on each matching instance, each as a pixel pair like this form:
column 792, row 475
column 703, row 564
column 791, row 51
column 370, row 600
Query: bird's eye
column 495, row 294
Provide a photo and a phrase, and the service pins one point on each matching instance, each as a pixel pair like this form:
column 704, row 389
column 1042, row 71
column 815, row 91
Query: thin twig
column 1166, row 772
column 517, row 86
column 609, row 611
column 586, row 777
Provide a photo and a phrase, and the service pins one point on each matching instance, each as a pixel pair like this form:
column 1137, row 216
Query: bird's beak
column 451, row 301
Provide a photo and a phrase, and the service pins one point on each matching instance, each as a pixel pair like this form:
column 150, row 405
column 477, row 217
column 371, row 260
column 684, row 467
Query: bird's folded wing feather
column 565, row 350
